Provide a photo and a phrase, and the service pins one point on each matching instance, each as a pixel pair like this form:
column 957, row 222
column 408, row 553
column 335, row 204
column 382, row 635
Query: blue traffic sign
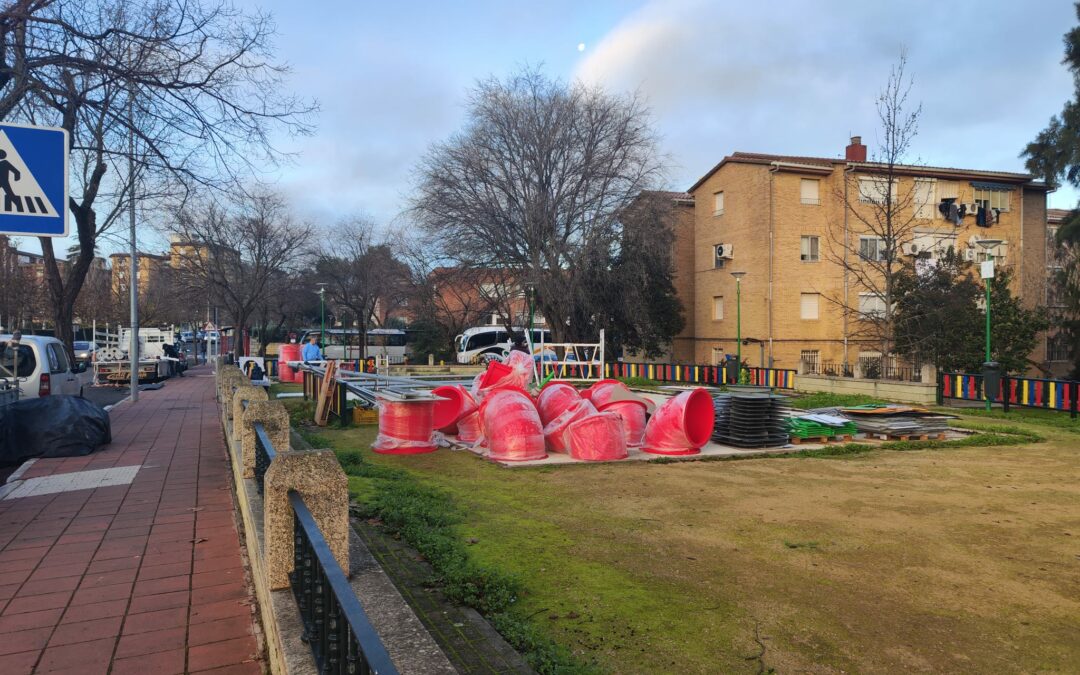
column 33, row 181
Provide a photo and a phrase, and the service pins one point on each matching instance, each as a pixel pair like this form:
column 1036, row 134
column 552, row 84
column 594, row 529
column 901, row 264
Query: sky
column 799, row 78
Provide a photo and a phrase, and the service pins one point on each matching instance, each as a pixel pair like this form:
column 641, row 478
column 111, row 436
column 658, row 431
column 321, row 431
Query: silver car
column 84, row 351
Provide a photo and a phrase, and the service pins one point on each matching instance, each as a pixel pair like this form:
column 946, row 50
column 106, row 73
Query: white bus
column 344, row 343
column 487, row 343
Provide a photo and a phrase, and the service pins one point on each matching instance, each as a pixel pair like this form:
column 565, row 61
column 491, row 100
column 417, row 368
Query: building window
column 992, row 199
column 932, row 245
column 872, row 190
column 871, row 305
column 718, row 308
column 809, row 251
column 809, row 191
column 811, row 360
column 925, row 206
column 809, row 305
column 1057, row 347
column 870, row 365
column 718, row 204
column 872, row 248
column 1055, row 294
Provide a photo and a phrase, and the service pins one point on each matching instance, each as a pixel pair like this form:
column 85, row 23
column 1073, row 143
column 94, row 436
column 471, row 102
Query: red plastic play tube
column 468, row 428
column 555, row 430
column 601, row 392
column 681, row 425
column 457, row 402
column 511, row 426
column 633, row 419
column 597, row 438
column 405, row 427
column 554, row 400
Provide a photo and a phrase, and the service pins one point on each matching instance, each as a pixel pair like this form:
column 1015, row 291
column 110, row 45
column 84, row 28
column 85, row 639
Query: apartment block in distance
column 783, row 220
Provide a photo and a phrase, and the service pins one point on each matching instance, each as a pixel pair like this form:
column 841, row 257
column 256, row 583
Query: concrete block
column 319, row 478
column 275, row 421
column 243, row 392
column 228, row 378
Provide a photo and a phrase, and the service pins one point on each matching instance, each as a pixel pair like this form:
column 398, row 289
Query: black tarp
column 51, row 426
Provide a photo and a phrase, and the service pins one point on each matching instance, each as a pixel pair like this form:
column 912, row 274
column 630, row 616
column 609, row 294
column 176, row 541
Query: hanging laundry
column 963, row 210
column 992, row 216
column 980, row 217
column 943, row 208
column 954, row 214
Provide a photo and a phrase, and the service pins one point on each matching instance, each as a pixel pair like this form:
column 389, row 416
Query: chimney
column 855, row 151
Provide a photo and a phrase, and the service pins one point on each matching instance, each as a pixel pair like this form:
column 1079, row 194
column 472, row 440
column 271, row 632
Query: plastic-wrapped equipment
column 405, row 427
column 614, row 396
column 468, row 428
column 51, row 426
column 681, row 425
column 511, row 426
column 597, row 438
column 456, row 403
column 555, row 430
column 286, row 353
column 515, row 372
column 554, row 399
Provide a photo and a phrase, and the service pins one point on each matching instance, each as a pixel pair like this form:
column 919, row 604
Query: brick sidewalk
column 121, row 575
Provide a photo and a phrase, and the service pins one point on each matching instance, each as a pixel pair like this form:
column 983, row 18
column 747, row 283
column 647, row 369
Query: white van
column 487, row 343
column 44, row 367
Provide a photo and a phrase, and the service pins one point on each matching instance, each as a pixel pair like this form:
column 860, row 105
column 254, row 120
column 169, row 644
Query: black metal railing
column 902, row 373
column 264, row 454
column 336, row 628
column 836, row 369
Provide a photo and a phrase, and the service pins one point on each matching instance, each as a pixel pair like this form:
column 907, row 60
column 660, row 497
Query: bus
column 344, row 343
column 488, row 343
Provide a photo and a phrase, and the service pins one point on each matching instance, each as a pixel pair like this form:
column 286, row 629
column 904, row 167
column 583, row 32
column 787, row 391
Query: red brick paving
column 139, row 578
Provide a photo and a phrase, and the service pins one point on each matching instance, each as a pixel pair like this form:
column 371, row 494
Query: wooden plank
column 326, row 391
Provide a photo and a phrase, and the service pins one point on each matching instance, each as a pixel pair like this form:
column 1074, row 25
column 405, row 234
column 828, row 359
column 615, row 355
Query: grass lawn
column 963, row 559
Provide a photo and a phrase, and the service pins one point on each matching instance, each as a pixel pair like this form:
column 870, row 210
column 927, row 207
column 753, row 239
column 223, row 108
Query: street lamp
column 987, row 273
column 322, row 314
column 738, row 324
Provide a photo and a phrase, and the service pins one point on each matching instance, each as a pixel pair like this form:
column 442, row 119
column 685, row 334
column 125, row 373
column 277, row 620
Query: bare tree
column 233, row 252
column 534, row 185
column 360, row 272
column 290, row 297
column 191, row 83
column 881, row 215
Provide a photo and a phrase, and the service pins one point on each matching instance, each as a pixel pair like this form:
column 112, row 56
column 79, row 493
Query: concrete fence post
column 228, row 379
column 274, row 418
column 319, row 478
column 928, row 373
column 243, row 392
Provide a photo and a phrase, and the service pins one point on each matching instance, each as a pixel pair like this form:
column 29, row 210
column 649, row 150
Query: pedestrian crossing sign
column 33, row 181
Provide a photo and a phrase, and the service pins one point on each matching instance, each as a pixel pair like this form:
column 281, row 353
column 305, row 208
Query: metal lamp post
column 322, row 315
column 987, row 273
column 738, row 325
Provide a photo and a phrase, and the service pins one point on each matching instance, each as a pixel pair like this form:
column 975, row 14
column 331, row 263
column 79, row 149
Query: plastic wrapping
column 51, row 426
column 633, row 419
column 286, row 353
column 511, row 426
column 457, row 402
column 468, row 428
column 515, row 372
column 554, row 399
column 555, row 430
column 681, row 425
column 405, row 427
column 597, row 438
column 602, row 392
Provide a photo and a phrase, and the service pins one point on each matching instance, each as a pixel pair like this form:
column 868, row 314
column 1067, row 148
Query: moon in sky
column 581, row 46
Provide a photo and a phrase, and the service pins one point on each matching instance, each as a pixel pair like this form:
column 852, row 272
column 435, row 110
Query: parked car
column 44, row 367
column 84, row 351
column 187, row 336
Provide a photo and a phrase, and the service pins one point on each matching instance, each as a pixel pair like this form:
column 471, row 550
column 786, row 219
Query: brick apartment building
column 783, row 220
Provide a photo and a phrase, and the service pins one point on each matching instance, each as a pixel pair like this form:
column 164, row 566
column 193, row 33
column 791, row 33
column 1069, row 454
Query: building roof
column 676, row 196
column 827, row 164
column 1056, row 215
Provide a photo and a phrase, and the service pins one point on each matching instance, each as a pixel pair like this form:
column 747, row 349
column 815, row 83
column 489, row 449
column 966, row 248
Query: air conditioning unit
column 723, row 251
column 969, row 254
column 910, row 249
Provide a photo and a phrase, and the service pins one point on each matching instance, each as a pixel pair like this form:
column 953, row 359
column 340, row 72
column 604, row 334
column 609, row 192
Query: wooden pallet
column 795, row 440
column 365, row 416
column 908, row 437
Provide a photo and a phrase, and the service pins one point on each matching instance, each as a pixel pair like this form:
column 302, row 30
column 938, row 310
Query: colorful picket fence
column 1029, row 392
column 777, row 378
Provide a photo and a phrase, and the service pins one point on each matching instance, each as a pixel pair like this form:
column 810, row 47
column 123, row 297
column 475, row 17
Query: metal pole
column 986, row 393
column 738, row 330
column 133, row 277
column 322, row 321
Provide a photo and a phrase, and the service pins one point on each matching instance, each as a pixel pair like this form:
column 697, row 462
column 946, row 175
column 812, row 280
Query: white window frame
column 924, row 210
column 812, row 359
column 803, row 298
column 810, row 248
column 880, row 248
column 718, row 303
column 871, row 189
column 871, row 312
column 803, row 198
column 994, row 199
column 718, row 203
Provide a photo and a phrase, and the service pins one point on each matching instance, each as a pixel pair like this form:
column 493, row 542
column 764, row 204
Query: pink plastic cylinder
column 681, row 425
column 286, row 353
column 457, row 402
column 468, row 428
column 597, row 438
column 511, row 427
column 601, row 392
column 633, row 419
column 554, row 399
column 555, row 430
column 405, row 427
